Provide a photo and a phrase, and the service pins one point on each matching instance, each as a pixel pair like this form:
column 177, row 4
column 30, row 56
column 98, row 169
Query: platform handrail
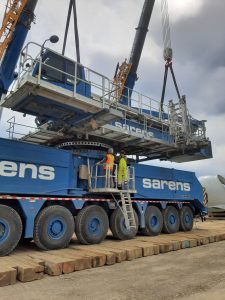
column 13, row 129
column 104, row 172
column 104, row 176
column 173, row 119
column 106, row 85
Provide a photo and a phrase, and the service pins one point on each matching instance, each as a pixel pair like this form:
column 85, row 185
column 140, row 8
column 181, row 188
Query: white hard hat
column 110, row 150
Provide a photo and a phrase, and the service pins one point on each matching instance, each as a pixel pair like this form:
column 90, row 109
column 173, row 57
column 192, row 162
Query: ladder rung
column 127, row 209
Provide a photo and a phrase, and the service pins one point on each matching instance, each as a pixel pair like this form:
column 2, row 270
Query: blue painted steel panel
column 49, row 171
column 63, row 73
column 167, row 184
column 49, row 109
column 139, row 128
column 27, row 169
column 30, row 210
column 38, row 170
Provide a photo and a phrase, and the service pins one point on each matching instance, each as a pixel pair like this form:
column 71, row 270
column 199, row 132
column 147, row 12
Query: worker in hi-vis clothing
column 108, row 165
column 122, row 169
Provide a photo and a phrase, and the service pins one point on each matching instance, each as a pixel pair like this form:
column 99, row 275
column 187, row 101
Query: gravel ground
column 196, row 273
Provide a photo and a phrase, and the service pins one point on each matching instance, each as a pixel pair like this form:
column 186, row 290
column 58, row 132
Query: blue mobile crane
column 53, row 180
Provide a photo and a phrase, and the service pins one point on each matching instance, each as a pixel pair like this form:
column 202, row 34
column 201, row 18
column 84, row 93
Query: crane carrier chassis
column 46, row 192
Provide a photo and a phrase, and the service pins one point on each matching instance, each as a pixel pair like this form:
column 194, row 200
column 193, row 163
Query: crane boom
column 127, row 74
column 16, row 24
column 11, row 17
column 140, row 35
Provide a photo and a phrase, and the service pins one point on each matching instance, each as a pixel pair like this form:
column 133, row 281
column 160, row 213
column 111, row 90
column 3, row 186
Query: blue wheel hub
column 153, row 221
column 94, row 226
column 172, row 219
column 4, row 231
column 56, row 228
column 187, row 219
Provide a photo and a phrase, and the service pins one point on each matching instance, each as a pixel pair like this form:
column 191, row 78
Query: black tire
column 171, row 220
column 91, row 225
column 11, row 228
column 153, row 221
column 53, row 228
column 118, row 228
column 186, row 218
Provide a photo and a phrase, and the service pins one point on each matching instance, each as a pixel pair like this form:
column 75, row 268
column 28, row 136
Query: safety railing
column 105, row 176
column 131, row 178
column 183, row 126
column 104, row 90
column 18, row 130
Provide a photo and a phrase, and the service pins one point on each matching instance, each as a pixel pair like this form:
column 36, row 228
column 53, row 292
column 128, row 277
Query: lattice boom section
column 13, row 11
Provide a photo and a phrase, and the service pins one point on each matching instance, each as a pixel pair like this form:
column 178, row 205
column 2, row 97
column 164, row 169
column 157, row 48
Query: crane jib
column 8, row 64
column 140, row 35
column 127, row 85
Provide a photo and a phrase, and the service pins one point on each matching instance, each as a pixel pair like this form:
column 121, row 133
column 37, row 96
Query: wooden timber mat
column 29, row 263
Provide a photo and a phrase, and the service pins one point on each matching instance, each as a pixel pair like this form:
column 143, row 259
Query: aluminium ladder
column 127, row 209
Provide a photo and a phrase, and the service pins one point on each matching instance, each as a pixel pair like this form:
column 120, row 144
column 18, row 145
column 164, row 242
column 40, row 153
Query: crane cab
column 61, row 71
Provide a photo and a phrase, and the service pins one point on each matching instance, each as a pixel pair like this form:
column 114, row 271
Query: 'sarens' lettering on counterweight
column 158, row 184
column 22, row 170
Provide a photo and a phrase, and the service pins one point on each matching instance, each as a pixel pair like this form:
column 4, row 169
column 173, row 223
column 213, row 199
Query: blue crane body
column 47, row 190
column 28, row 169
column 33, row 175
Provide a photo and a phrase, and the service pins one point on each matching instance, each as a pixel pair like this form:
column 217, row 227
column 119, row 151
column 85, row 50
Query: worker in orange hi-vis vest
column 108, row 165
column 109, row 160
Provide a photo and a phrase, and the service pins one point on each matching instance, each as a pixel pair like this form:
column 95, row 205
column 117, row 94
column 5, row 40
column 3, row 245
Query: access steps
column 127, row 210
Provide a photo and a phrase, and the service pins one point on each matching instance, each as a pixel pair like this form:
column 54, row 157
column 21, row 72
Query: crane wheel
column 91, row 225
column 10, row 229
column 118, row 227
column 153, row 221
column 53, row 228
column 171, row 220
column 186, row 218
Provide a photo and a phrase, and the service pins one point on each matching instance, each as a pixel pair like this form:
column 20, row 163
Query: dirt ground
column 196, row 273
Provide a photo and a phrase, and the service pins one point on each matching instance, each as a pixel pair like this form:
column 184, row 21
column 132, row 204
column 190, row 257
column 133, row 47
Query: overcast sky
column 106, row 31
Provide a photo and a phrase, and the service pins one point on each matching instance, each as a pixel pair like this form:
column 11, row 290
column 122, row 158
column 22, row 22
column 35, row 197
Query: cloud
column 200, row 37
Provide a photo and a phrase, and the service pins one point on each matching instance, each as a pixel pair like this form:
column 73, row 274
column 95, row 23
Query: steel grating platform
column 90, row 109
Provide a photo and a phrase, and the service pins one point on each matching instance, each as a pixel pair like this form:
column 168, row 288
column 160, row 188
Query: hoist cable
column 72, row 6
column 167, row 51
